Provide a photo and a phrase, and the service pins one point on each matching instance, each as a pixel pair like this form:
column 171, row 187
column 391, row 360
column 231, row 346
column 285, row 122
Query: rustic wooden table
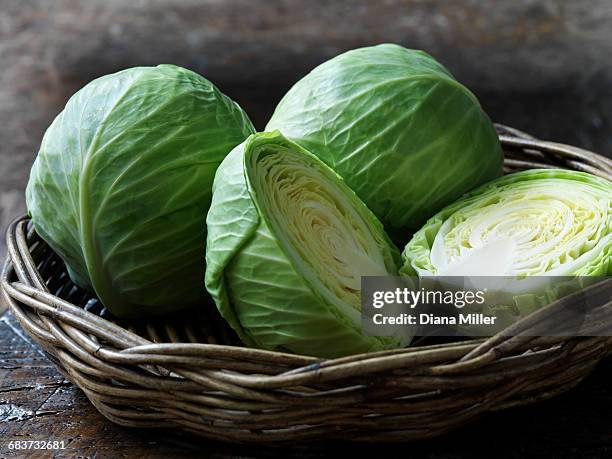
column 37, row 403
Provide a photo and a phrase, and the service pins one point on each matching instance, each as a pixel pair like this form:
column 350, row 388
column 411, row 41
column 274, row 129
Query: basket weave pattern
column 176, row 375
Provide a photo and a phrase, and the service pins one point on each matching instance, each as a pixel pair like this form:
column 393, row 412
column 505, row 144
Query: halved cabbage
column 536, row 222
column 287, row 245
column 540, row 222
column 397, row 127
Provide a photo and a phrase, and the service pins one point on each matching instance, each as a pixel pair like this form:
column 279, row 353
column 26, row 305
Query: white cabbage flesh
column 550, row 227
column 319, row 225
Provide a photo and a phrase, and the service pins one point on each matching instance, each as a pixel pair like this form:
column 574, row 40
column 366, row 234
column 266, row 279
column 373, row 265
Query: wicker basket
column 177, row 376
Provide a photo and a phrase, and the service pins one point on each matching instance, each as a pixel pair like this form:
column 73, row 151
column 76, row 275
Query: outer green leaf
column 394, row 123
column 122, row 181
column 287, row 244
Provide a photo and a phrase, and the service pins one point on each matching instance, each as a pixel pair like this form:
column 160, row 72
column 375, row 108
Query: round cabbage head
column 123, row 180
column 394, row 123
column 287, row 245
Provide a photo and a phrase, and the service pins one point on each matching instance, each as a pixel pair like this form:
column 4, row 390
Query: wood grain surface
column 37, row 403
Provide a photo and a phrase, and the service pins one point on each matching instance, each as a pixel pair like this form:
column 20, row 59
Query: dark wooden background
column 542, row 66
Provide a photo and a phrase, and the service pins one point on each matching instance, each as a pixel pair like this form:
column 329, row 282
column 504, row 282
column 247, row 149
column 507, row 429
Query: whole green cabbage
column 287, row 245
column 123, row 180
column 395, row 124
column 540, row 222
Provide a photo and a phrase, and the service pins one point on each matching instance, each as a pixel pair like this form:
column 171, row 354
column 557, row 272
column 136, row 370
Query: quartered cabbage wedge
column 540, row 222
column 395, row 124
column 287, row 245
column 123, row 180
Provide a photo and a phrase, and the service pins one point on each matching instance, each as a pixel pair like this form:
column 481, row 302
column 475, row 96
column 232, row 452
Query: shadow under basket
column 196, row 377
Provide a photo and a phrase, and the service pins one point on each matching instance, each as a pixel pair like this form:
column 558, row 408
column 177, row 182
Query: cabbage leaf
column 394, row 123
